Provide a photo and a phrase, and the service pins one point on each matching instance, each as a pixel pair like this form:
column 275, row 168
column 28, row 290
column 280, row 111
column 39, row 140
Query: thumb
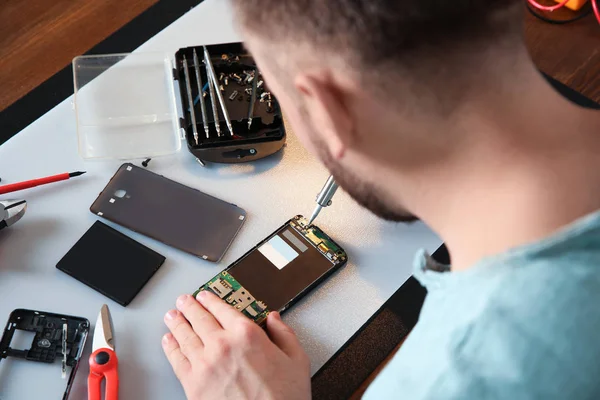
column 282, row 335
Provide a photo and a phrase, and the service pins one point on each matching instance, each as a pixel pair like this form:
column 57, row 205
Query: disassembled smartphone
column 279, row 271
column 57, row 337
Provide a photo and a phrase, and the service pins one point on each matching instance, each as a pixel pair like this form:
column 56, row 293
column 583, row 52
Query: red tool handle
column 103, row 364
column 33, row 183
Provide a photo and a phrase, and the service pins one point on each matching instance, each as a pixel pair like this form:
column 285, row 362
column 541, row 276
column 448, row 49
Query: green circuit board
column 319, row 239
column 232, row 292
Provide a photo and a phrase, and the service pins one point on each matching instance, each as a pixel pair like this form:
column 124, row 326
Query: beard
column 363, row 192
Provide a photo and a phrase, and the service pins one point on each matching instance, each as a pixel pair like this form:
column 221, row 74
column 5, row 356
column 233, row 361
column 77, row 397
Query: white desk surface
column 271, row 191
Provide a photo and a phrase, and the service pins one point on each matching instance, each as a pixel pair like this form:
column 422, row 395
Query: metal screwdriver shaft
column 213, row 77
column 324, row 198
column 64, row 350
column 213, row 102
column 188, row 89
column 201, row 94
column 253, row 99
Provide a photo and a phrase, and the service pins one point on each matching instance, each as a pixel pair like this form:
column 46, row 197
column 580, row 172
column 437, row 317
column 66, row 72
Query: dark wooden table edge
column 57, row 88
column 354, row 362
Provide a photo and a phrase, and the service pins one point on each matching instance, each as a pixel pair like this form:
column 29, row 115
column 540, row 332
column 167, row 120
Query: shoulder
column 529, row 331
column 532, row 341
column 537, row 332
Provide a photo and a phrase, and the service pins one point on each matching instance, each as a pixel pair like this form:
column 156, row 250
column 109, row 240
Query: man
column 431, row 110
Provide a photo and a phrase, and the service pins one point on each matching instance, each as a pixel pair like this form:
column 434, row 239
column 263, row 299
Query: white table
column 271, row 190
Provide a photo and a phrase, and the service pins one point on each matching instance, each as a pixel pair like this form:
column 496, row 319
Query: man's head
column 372, row 86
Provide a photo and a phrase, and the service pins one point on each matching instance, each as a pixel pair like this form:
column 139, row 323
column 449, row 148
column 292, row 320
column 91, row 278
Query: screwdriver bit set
column 229, row 113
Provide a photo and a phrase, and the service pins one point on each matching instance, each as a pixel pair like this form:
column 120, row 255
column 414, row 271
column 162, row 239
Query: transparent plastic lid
column 125, row 106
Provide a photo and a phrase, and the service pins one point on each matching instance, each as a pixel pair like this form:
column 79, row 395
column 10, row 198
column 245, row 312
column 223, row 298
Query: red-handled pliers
column 103, row 361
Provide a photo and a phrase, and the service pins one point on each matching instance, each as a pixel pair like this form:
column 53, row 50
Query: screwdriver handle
column 327, row 193
column 32, row 183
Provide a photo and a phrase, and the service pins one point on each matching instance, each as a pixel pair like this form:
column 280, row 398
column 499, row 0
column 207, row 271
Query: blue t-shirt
column 524, row 324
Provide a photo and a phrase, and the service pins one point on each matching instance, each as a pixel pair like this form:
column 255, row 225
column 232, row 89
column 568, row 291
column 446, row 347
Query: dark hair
column 375, row 30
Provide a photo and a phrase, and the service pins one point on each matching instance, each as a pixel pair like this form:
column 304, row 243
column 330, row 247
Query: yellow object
column 574, row 4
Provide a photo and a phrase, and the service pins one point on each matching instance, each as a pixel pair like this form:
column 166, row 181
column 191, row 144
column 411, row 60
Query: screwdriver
column 201, row 94
column 188, row 87
column 212, row 75
column 324, row 198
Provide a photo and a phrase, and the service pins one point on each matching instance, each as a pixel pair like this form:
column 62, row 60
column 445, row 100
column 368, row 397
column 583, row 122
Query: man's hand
column 221, row 354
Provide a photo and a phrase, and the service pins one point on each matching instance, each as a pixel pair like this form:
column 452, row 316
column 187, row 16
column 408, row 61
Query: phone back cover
column 170, row 212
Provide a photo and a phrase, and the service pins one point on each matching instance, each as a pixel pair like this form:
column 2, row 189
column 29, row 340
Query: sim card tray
column 57, row 338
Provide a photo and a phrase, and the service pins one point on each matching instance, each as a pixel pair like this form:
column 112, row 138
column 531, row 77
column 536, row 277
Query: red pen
column 13, row 187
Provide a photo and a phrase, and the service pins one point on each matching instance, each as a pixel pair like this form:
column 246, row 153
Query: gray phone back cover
column 169, row 212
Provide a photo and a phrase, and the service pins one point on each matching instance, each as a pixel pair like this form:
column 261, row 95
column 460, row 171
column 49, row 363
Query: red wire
column 550, row 8
column 539, row 6
column 596, row 9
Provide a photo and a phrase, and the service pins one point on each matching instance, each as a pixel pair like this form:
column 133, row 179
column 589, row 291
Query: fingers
column 283, row 336
column 179, row 362
column 202, row 321
column 224, row 313
column 190, row 344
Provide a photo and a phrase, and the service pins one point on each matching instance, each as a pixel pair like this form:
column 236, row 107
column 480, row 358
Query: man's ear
column 327, row 109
